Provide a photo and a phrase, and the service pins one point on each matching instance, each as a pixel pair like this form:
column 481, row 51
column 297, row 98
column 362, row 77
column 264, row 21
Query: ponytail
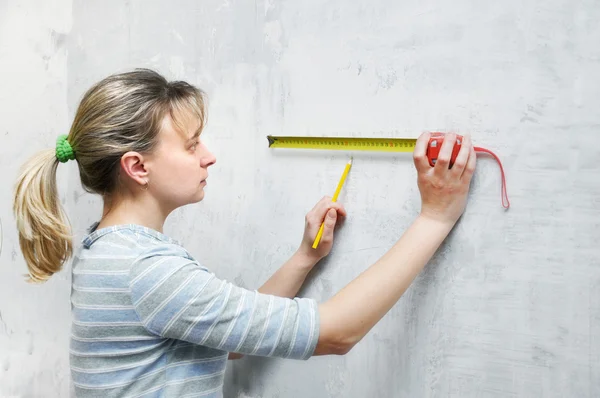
column 44, row 234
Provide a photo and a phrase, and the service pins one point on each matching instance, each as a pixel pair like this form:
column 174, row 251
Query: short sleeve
column 175, row 297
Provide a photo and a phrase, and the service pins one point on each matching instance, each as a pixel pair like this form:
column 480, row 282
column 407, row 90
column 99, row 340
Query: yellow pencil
column 334, row 199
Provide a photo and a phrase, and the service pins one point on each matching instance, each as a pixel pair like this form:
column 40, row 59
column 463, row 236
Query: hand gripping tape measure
column 381, row 145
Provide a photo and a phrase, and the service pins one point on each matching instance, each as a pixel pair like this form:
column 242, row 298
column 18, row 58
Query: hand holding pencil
column 334, row 199
column 321, row 220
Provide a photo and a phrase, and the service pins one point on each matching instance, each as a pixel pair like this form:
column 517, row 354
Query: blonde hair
column 121, row 113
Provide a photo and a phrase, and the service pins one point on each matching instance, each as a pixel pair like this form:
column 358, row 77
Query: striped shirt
column 150, row 321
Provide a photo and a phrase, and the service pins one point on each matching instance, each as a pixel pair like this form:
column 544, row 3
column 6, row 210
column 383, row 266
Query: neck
column 141, row 211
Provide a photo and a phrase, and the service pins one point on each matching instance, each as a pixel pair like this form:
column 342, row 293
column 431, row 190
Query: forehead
column 181, row 125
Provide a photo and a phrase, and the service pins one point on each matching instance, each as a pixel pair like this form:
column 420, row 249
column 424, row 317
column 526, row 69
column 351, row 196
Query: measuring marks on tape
column 344, row 143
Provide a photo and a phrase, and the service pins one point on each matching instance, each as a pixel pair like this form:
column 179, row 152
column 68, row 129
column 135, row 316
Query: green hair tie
column 64, row 151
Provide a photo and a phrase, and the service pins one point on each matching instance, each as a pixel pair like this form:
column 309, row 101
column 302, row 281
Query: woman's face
column 178, row 167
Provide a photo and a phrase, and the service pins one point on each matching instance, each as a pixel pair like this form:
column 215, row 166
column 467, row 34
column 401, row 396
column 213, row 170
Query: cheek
column 189, row 171
column 176, row 174
column 184, row 163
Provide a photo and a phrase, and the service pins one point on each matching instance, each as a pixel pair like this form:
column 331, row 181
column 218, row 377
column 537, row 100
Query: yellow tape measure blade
column 344, row 143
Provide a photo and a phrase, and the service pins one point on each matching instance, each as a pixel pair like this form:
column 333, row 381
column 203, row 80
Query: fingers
column 443, row 161
column 339, row 208
column 420, row 153
column 317, row 214
column 318, row 211
column 330, row 220
column 463, row 156
column 470, row 167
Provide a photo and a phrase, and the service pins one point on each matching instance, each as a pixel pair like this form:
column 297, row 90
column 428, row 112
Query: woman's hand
column 324, row 210
column 443, row 189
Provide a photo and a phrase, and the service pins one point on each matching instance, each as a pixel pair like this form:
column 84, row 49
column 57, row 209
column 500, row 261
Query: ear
column 132, row 164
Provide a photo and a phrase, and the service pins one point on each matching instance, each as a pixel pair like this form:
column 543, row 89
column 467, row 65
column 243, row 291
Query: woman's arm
column 288, row 279
column 352, row 312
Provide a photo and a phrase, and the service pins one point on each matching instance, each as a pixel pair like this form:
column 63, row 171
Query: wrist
column 304, row 260
column 437, row 220
column 435, row 224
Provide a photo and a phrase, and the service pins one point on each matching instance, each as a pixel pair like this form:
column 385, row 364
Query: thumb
column 330, row 220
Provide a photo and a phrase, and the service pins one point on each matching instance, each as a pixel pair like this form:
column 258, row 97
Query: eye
column 195, row 145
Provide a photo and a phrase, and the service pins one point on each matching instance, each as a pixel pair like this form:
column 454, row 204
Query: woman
column 148, row 319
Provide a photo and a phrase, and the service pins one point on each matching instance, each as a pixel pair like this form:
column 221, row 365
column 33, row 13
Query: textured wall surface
column 510, row 306
column 34, row 320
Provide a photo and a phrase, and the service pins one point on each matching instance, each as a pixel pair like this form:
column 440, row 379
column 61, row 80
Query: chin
column 199, row 196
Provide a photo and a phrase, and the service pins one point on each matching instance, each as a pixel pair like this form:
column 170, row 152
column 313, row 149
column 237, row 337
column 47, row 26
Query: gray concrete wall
column 510, row 306
column 34, row 320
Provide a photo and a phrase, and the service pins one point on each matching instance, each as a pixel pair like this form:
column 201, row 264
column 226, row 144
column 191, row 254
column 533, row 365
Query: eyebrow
column 196, row 135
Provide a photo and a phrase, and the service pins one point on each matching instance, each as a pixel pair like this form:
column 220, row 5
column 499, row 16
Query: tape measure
column 365, row 144
column 380, row 145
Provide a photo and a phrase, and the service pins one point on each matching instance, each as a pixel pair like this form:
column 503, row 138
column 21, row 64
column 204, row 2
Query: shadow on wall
column 246, row 375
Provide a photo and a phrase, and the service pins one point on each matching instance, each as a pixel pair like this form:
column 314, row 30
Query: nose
column 207, row 159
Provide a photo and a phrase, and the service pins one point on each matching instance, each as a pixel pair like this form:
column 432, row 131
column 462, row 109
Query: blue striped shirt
column 150, row 321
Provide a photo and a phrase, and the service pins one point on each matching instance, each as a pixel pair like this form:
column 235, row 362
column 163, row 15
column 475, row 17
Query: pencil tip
column 351, row 159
